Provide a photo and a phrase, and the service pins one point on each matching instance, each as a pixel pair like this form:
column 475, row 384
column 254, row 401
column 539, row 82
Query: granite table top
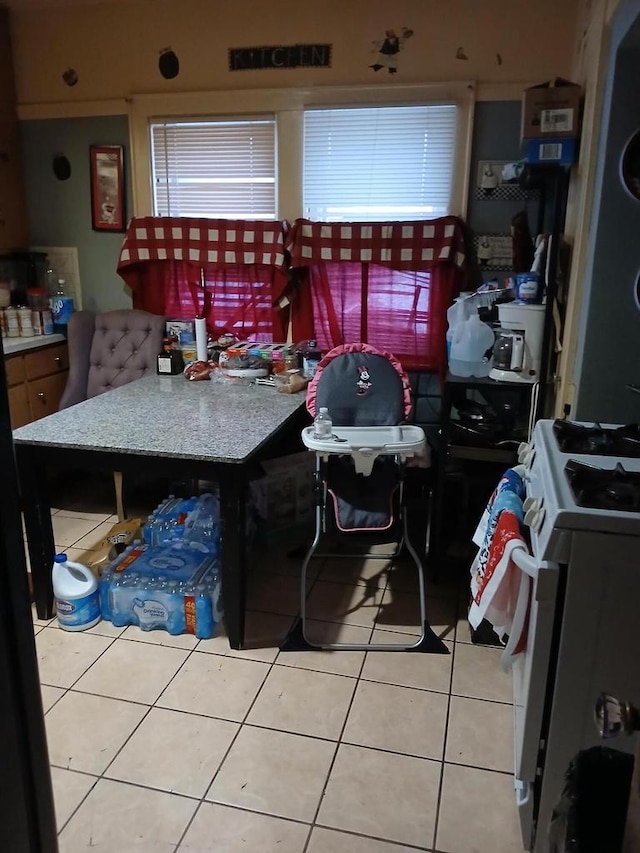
column 169, row 416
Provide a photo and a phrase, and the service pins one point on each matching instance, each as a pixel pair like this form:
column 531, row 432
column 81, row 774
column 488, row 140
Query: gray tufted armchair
column 106, row 351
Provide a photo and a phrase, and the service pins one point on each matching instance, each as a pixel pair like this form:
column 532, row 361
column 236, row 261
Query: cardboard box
column 551, row 110
column 284, row 496
column 562, row 151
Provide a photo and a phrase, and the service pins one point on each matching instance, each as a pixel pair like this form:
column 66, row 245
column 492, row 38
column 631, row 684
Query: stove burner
column 597, row 440
column 600, row 488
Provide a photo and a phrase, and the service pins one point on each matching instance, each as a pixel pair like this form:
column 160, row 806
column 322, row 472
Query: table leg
column 233, row 521
column 37, row 519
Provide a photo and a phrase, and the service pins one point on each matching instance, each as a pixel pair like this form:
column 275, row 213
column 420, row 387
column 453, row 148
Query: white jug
column 471, row 348
column 75, row 590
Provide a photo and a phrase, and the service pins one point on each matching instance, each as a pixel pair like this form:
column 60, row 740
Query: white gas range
column 583, row 512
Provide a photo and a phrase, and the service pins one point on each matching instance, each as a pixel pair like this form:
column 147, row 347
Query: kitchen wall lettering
column 280, row 56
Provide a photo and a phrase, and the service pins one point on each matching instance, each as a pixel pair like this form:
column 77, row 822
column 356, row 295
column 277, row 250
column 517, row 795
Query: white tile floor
column 161, row 743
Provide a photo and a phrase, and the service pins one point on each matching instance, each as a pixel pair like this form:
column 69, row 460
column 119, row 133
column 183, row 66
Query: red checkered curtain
column 232, row 272
column 387, row 284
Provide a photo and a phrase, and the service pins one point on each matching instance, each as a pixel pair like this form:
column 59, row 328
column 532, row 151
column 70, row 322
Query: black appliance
column 27, row 818
column 596, row 440
column 23, row 270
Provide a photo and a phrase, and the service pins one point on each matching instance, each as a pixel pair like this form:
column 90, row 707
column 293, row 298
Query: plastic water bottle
column 323, row 425
column 75, row 589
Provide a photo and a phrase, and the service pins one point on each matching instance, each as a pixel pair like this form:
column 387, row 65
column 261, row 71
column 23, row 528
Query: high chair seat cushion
column 363, row 503
column 360, row 386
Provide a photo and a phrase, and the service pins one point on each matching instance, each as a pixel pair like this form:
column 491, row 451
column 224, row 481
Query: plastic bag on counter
column 591, row 813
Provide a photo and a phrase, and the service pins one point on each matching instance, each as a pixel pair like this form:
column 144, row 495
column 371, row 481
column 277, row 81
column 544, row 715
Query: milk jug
column 457, row 313
column 471, row 348
column 75, row 590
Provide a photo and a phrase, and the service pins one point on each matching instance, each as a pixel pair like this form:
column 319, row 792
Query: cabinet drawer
column 19, row 406
column 47, row 361
column 15, row 370
column 45, row 394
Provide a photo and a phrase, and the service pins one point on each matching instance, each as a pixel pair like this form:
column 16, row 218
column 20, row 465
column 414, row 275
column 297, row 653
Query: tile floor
column 161, row 743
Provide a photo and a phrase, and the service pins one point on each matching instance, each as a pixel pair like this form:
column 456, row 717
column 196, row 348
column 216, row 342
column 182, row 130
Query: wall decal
column 168, row 64
column 460, row 54
column 280, row 56
column 388, row 49
column 70, row 77
column 61, row 167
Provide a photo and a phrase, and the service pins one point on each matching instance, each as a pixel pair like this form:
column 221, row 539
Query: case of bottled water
column 170, row 581
column 175, row 587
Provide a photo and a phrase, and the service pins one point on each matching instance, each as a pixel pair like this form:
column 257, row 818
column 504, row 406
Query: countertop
column 169, row 416
column 11, row 346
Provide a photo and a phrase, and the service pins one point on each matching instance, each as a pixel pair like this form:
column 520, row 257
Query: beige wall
column 114, row 47
column 588, row 68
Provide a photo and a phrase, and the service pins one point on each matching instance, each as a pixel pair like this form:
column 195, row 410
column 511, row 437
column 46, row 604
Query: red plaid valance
column 414, row 246
column 203, row 242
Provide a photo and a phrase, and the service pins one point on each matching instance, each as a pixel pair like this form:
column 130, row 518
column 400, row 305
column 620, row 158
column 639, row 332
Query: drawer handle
column 41, row 396
column 58, row 360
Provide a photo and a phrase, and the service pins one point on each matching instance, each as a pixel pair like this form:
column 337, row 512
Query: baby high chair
column 359, row 473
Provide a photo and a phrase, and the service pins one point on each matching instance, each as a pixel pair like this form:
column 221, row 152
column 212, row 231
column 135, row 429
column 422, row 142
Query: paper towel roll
column 201, row 339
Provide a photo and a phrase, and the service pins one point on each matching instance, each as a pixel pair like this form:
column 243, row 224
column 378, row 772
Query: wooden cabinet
column 36, row 380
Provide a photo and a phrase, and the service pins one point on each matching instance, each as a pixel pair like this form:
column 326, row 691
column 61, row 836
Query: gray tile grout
column 269, row 668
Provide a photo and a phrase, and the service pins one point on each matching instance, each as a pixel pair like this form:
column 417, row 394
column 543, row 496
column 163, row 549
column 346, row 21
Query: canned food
column 529, row 288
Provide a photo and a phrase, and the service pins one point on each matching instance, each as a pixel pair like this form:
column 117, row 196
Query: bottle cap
column 324, row 409
column 60, row 558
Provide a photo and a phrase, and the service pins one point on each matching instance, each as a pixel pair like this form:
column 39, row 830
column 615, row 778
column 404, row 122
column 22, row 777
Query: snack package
column 117, row 539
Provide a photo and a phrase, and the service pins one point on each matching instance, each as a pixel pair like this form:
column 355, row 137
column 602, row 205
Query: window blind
column 381, row 163
column 222, row 168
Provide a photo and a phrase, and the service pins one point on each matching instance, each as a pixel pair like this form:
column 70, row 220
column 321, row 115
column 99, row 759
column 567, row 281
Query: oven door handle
column 525, row 562
column 523, row 792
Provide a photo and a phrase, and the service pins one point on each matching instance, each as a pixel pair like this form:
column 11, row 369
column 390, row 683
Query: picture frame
column 107, row 188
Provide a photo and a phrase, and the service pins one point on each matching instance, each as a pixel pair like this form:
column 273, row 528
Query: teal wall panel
column 59, row 212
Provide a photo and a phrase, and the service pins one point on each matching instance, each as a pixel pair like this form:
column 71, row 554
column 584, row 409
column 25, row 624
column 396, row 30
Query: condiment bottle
column 170, row 361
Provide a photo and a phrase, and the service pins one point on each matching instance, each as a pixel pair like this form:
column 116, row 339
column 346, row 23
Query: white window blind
column 222, row 168
column 379, row 163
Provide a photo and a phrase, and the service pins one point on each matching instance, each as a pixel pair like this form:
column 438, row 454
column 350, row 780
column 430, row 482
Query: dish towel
column 501, row 591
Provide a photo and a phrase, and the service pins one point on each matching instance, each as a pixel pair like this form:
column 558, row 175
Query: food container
column 24, row 321
column 189, row 353
column 11, row 323
column 38, row 298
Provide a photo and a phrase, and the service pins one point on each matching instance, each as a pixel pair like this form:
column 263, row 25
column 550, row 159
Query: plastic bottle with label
column 62, row 307
column 75, row 590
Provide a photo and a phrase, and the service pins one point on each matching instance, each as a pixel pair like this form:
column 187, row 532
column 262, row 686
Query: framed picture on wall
column 107, row 187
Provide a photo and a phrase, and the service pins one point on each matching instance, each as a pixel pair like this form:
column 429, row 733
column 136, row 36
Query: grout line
column 269, row 667
column 342, row 730
column 444, row 749
column 386, row 841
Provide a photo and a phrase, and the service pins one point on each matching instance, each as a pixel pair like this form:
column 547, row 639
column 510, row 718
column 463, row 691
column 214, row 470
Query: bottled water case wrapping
column 175, row 587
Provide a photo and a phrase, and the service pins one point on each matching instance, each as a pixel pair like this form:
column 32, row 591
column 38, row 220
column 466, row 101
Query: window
column 223, row 168
column 381, row 163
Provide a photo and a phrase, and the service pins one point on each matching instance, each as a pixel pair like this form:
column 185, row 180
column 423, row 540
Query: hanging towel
column 511, row 482
column 500, row 590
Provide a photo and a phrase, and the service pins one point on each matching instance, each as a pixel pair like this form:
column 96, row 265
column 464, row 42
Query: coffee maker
column 517, row 351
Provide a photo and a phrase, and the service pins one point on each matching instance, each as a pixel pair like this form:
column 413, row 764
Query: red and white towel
column 500, row 590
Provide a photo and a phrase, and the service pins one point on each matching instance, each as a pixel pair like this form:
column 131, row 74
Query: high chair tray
column 408, row 440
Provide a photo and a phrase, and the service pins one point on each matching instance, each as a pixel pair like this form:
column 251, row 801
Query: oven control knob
column 534, row 513
column 539, row 519
column 523, row 450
